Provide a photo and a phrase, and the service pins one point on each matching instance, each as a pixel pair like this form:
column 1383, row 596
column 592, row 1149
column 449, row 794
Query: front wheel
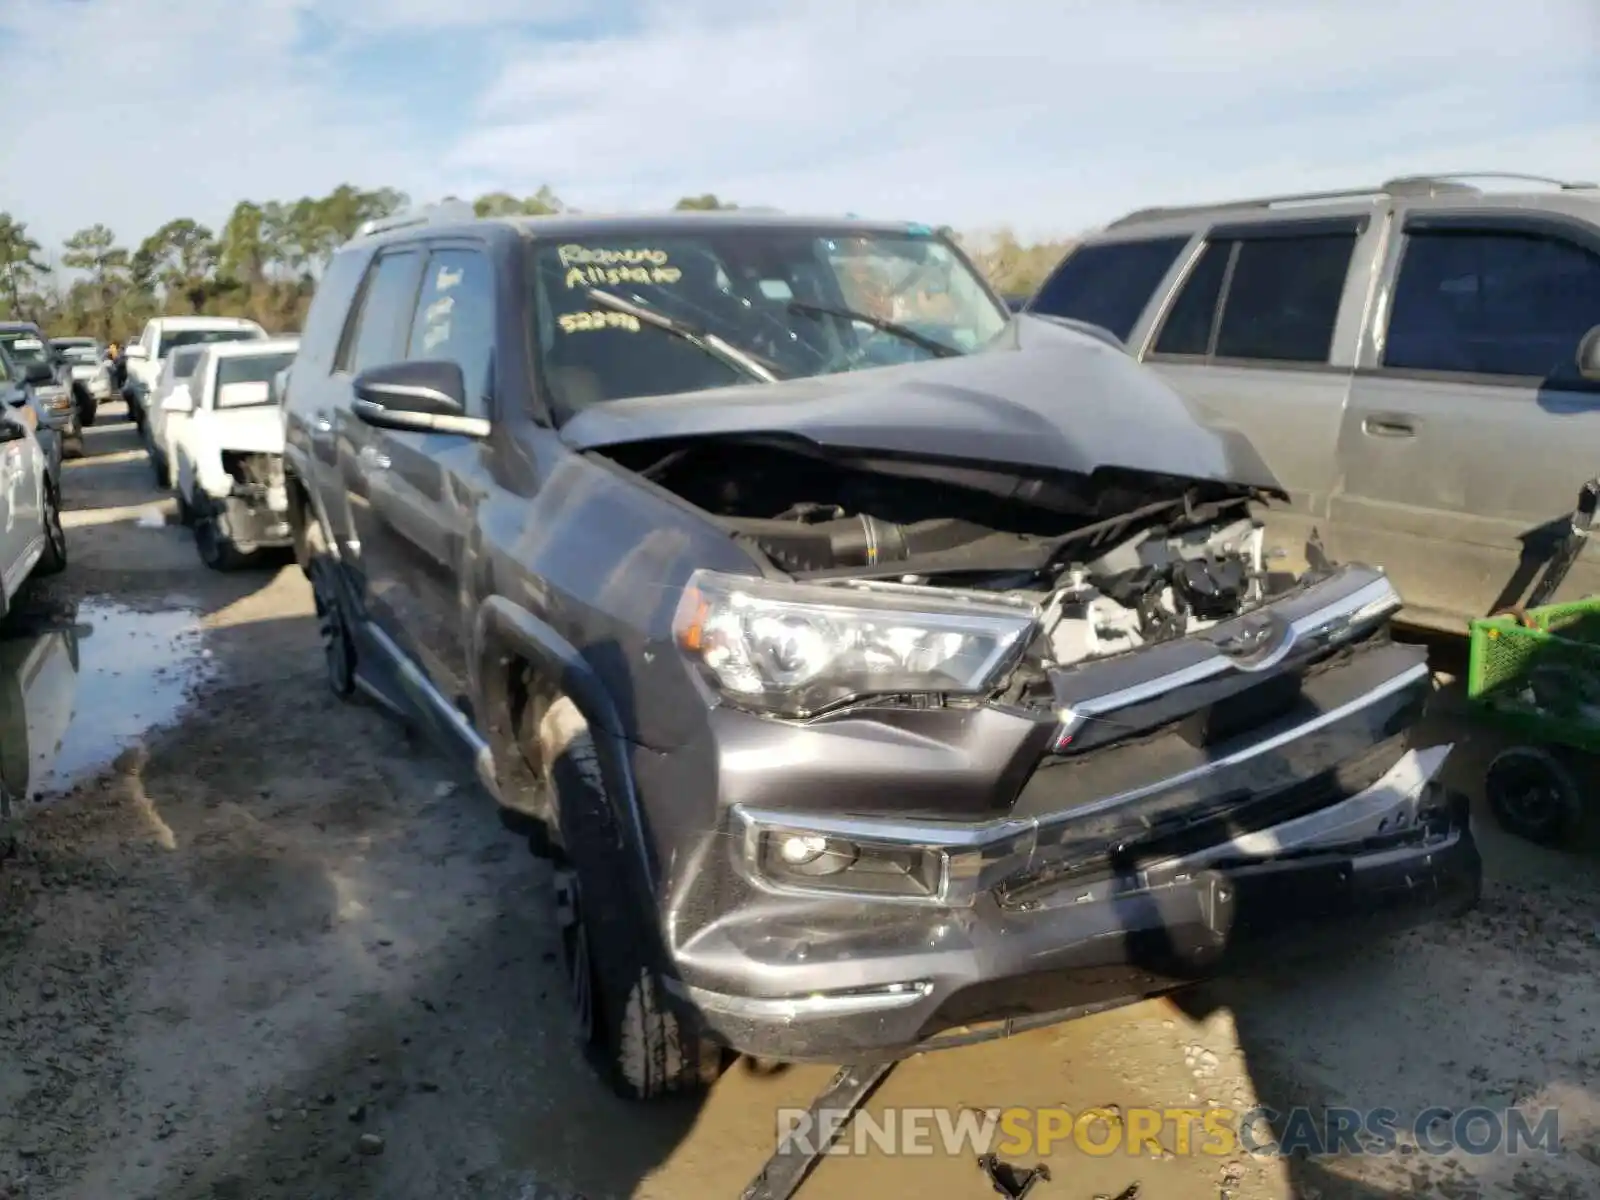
column 634, row 1041
column 216, row 549
column 54, row 559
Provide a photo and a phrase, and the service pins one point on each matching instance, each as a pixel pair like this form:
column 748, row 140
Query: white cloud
column 1048, row 114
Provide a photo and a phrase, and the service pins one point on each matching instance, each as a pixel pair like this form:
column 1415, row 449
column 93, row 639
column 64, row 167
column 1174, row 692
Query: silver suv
column 1418, row 363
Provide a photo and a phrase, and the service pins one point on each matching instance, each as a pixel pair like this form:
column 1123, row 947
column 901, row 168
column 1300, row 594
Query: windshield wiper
column 892, row 328
column 741, row 360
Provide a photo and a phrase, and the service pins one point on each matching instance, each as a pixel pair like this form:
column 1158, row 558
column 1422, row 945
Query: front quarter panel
column 601, row 558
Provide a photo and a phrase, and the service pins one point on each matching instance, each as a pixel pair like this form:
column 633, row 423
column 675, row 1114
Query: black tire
column 216, row 550
column 54, row 559
column 333, row 623
column 158, row 460
column 1535, row 795
column 632, row 1038
column 186, row 511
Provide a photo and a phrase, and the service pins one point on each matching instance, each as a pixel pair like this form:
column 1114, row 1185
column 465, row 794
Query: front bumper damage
column 1188, row 833
column 254, row 515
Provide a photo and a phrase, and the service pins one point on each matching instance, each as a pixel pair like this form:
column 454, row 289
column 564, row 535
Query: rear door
column 427, row 492
column 1261, row 334
column 1470, row 431
column 376, row 335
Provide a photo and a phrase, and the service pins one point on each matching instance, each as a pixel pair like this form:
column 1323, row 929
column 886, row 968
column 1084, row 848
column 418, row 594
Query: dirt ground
column 272, row 949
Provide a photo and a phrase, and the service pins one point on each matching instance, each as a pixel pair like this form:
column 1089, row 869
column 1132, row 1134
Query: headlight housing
column 56, row 399
column 796, row 649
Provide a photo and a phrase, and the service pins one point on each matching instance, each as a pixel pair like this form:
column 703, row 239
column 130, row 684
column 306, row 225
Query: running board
column 451, row 718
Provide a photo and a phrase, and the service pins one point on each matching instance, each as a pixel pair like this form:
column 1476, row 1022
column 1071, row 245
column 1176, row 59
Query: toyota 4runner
column 872, row 662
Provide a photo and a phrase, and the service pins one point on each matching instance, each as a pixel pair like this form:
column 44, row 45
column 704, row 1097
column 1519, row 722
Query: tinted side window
column 385, row 318
column 1283, row 298
column 1187, row 329
column 1108, row 284
column 1492, row 304
column 455, row 320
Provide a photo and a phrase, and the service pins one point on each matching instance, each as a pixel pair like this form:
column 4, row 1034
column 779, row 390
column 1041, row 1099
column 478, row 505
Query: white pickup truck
column 163, row 335
column 222, row 433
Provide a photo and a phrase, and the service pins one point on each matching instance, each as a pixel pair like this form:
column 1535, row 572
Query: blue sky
column 1048, row 115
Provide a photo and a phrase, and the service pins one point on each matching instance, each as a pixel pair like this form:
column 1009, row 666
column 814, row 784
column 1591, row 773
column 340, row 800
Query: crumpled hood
column 252, row 430
column 1042, row 395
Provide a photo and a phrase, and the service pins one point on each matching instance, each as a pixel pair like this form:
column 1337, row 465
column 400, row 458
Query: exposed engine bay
column 257, row 476
column 1114, row 561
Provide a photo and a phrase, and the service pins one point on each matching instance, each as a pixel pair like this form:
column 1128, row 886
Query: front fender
column 503, row 632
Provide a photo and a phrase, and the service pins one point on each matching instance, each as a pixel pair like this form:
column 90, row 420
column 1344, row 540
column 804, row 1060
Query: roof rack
column 1437, row 184
column 428, row 214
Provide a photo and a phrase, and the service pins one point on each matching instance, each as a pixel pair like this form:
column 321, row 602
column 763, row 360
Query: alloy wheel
column 575, row 957
column 337, row 652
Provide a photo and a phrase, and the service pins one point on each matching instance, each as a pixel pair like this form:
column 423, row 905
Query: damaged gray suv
column 878, row 668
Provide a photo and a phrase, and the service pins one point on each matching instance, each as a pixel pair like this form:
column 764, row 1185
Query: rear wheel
column 1534, row 794
column 637, row 1044
column 333, row 624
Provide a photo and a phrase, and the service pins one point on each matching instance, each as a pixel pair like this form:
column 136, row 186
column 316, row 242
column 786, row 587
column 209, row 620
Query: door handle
column 1389, row 427
column 321, row 423
column 374, row 459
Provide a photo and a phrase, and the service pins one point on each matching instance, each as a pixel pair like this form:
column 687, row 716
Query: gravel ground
column 257, row 944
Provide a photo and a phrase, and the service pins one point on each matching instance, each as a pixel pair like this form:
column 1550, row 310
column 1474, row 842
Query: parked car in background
column 17, row 397
column 224, row 436
column 48, row 380
column 870, row 660
column 86, row 374
column 163, row 335
column 1418, row 364
column 32, row 541
column 176, row 372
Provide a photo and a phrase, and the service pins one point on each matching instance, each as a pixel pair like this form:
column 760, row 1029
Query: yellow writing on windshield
column 587, row 277
column 580, row 322
column 587, row 256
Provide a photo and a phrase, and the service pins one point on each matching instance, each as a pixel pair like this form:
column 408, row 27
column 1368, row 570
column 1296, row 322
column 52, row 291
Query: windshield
column 203, row 337
column 807, row 302
column 252, row 368
column 26, row 347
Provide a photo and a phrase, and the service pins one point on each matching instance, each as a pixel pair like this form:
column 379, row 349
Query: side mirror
column 12, row 431
column 138, row 352
column 1589, row 355
column 178, row 401
column 38, row 373
column 426, row 397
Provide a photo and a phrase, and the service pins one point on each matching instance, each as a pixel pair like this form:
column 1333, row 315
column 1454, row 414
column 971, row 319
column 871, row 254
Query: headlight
column 798, row 648
column 55, row 399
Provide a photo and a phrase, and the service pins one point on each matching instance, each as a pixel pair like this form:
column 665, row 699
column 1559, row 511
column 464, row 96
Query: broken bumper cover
column 1397, row 853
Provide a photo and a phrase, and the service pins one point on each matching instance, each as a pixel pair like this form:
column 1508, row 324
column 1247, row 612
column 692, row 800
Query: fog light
column 799, row 849
column 814, row 860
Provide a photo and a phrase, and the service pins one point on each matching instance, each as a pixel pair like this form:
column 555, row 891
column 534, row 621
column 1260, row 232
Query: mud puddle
column 80, row 684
